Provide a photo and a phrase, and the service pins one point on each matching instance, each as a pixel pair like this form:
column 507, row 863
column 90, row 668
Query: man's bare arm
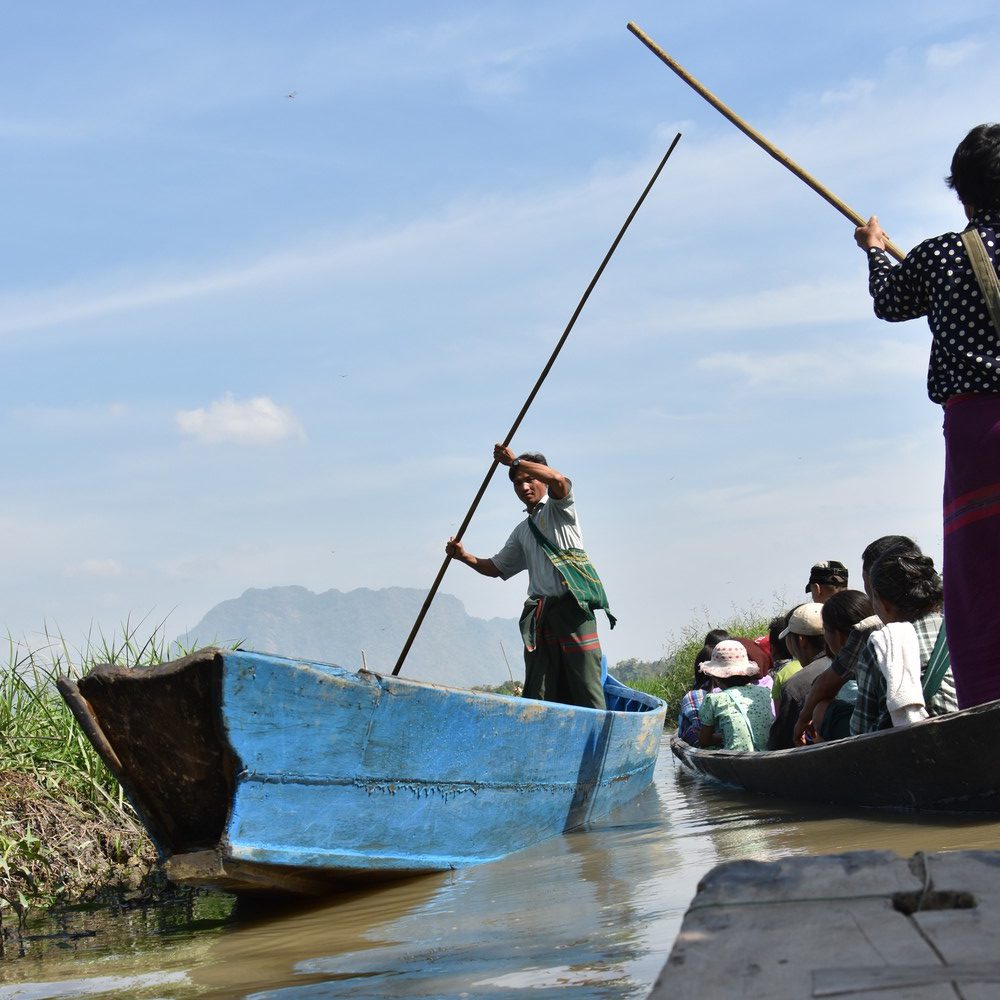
column 484, row 566
column 826, row 687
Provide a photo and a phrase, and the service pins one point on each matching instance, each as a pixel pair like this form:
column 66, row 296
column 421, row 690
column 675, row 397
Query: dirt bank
column 54, row 848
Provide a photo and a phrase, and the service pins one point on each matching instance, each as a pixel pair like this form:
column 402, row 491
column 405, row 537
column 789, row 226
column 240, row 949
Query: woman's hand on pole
column 871, row 235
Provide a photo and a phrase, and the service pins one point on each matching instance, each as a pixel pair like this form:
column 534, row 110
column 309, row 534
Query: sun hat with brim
column 729, row 659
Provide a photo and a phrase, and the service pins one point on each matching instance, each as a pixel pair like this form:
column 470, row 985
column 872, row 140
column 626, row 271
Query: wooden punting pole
column 752, row 133
column 524, row 409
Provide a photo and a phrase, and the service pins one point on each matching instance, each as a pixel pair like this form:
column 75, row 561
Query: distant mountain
column 451, row 647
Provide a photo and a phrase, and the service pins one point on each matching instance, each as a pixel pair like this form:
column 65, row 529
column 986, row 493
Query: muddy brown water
column 590, row 914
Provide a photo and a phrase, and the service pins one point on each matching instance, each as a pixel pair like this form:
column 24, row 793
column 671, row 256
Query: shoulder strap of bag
column 577, row 572
column 937, row 666
column 542, row 540
column 742, row 709
column 985, row 274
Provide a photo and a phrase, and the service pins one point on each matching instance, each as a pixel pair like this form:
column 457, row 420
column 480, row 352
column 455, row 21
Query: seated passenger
column 790, row 666
column 687, row 718
column 825, row 580
column 804, row 638
column 775, row 645
column 847, row 613
column 894, row 686
column 841, row 671
column 755, row 653
column 739, row 716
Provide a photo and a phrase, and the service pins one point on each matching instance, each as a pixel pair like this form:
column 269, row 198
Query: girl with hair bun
column 894, row 687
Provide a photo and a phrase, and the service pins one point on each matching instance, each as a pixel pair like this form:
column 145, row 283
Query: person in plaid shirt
column 907, row 594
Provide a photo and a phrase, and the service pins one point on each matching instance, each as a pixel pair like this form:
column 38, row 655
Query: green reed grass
column 44, row 753
column 38, row 734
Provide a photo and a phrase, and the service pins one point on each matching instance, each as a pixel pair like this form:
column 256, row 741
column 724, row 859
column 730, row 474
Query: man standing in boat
column 562, row 651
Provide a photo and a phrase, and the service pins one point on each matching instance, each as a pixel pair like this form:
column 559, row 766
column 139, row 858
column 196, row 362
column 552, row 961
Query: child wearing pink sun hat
column 739, row 716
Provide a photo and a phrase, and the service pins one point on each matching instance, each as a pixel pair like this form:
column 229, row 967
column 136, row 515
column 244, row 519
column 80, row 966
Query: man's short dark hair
column 528, row 456
column 774, row 630
column 975, row 168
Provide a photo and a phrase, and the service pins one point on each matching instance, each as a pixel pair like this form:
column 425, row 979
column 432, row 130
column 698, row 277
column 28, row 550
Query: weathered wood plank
column 862, row 925
column 851, row 982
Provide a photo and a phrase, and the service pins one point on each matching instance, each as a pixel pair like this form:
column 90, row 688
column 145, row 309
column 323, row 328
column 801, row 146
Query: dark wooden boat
column 256, row 772
column 942, row 764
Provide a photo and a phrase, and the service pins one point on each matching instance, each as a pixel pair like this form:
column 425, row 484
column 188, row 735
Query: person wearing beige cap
column 803, row 626
column 739, row 716
column 805, row 641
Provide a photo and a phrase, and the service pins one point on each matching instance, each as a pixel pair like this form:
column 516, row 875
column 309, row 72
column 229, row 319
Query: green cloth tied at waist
column 561, row 616
column 579, row 575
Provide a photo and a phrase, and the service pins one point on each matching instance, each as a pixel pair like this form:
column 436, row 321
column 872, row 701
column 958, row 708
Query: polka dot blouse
column 936, row 280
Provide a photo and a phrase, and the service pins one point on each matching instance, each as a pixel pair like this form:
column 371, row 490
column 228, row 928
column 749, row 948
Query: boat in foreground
column 942, row 764
column 255, row 772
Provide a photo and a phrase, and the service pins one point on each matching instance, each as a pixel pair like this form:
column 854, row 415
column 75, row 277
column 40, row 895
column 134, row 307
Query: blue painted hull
column 339, row 776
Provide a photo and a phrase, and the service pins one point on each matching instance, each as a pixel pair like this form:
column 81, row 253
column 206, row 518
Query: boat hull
column 941, row 764
column 332, row 776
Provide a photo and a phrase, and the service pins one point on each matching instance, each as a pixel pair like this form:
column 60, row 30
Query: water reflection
column 744, row 825
column 591, row 914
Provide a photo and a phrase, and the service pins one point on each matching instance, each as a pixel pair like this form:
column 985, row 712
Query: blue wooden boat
column 256, row 772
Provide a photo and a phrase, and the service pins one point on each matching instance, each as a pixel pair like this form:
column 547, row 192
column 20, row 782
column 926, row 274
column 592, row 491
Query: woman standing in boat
column 562, row 651
column 952, row 280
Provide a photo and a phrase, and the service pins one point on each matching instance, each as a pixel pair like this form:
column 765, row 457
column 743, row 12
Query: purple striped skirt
column 972, row 545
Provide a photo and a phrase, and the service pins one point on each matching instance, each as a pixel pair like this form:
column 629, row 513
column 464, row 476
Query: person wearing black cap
column 825, row 579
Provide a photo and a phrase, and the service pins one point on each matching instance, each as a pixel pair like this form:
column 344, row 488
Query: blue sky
column 252, row 339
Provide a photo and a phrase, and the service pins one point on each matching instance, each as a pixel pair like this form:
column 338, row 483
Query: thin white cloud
column 73, row 419
column 458, row 225
column 952, row 54
column 852, row 92
column 96, row 569
column 843, row 367
column 333, row 255
column 256, row 421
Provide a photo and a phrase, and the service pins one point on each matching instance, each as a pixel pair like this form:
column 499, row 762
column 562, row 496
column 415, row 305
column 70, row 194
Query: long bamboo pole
column 531, row 397
column 753, row 134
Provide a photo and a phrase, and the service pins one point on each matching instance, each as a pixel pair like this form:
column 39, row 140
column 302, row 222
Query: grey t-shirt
column 557, row 521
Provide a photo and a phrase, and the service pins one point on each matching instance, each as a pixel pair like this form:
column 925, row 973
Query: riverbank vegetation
column 671, row 677
column 66, row 830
